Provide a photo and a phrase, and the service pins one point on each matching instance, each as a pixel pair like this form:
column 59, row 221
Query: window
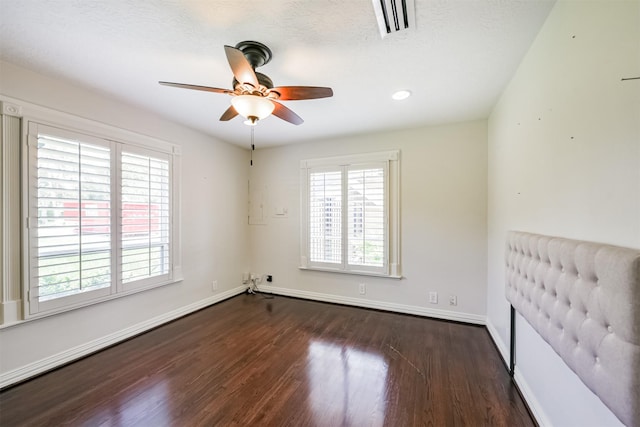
column 325, row 216
column 144, row 217
column 367, row 212
column 350, row 208
column 99, row 219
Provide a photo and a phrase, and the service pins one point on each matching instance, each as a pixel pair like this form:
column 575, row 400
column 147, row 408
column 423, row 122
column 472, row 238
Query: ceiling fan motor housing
column 256, row 53
column 263, row 80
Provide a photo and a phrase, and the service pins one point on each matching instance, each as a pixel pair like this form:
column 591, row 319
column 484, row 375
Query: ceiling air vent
column 394, row 16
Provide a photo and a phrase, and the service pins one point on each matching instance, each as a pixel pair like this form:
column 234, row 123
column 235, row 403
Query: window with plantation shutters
column 350, row 214
column 144, row 217
column 366, row 215
column 70, row 218
column 325, row 216
column 98, row 219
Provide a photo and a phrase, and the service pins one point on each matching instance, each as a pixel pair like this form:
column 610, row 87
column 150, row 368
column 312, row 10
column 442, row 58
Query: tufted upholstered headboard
column 583, row 298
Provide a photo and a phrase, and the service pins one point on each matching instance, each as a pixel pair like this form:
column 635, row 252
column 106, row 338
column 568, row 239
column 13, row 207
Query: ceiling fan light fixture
column 251, row 121
column 252, row 107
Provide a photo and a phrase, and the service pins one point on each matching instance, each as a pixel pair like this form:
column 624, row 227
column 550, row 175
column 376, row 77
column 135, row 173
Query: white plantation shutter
column 325, row 216
column 366, row 216
column 144, row 216
column 70, row 218
column 350, row 214
column 99, row 219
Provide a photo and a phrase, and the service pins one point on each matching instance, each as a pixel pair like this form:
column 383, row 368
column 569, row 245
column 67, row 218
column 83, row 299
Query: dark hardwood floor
column 252, row 361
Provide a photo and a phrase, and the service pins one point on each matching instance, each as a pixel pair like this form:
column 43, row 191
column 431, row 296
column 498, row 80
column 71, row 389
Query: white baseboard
column 51, row 362
column 534, row 406
column 497, row 340
column 379, row 305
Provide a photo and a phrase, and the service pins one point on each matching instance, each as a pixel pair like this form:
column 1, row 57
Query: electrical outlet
column 433, row 297
column 214, row 285
column 362, row 288
column 269, row 278
column 453, row 300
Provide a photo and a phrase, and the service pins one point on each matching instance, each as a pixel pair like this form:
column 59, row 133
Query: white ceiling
column 456, row 62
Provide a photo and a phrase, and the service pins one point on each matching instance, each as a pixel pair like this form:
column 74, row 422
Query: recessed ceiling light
column 401, row 94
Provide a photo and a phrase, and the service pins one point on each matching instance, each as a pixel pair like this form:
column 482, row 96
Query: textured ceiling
column 456, row 61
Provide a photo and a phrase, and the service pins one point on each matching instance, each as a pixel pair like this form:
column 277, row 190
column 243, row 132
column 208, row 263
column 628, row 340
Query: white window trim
column 29, row 112
column 32, row 304
column 392, row 184
column 151, row 281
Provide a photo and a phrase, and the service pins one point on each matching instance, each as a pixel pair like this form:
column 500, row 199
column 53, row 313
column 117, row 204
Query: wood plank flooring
column 252, row 361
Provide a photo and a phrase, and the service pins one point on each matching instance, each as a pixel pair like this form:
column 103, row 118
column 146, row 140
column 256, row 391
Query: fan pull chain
column 253, row 147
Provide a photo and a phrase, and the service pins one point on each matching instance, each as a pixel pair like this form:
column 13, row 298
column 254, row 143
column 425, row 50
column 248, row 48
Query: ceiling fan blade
column 286, row 114
column 229, row 114
column 302, row 92
column 242, row 69
column 196, row 87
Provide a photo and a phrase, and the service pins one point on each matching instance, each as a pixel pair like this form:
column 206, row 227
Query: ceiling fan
column 253, row 94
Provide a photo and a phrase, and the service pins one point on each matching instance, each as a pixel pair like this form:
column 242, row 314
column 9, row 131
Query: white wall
column 214, row 224
column 443, row 221
column 564, row 160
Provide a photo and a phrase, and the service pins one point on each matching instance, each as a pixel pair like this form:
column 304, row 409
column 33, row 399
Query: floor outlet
column 433, row 297
column 453, row 300
column 362, row 288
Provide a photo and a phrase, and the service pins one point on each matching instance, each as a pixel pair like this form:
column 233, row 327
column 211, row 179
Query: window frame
column 390, row 162
column 384, row 165
column 150, row 281
column 326, row 264
column 34, row 304
column 117, row 139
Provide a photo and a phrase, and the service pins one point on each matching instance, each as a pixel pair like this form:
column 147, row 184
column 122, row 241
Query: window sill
column 87, row 303
column 353, row 273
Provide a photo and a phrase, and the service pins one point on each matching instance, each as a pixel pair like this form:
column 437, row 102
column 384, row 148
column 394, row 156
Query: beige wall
column 560, row 155
column 564, row 160
column 443, row 221
column 214, row 227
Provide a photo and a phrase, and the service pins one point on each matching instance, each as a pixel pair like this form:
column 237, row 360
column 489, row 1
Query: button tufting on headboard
column 575, row 294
